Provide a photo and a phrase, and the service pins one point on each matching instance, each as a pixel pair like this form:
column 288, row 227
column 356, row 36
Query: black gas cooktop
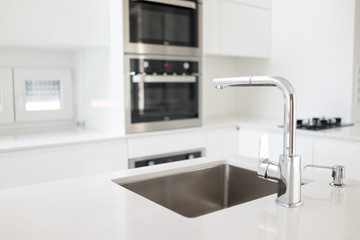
column 316, row 124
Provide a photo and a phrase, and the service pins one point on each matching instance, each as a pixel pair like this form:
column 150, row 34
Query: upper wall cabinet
column 237, row 27
column 56, row 23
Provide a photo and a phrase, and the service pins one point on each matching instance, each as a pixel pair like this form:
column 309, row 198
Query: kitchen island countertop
column 94, row 207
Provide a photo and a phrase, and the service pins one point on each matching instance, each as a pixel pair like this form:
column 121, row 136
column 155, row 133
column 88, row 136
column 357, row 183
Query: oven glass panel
column 163, row 101
column 163, row 24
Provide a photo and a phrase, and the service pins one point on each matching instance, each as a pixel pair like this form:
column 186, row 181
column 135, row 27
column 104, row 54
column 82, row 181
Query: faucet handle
column 337, row 173
column 264, row 147
column 263, row 155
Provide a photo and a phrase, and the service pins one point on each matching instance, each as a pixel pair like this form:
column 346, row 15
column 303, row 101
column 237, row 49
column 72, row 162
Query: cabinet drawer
column 169, row 143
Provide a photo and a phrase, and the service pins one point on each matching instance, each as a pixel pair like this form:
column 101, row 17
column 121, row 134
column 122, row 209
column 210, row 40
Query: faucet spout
column 289, row 102
column 288, row 171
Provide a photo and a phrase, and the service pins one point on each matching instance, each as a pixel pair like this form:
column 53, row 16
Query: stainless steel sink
column 198, row 192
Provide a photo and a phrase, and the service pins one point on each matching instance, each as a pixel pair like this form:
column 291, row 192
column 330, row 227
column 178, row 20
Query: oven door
column 162, row 27
column 161, row 102
column 164, row 98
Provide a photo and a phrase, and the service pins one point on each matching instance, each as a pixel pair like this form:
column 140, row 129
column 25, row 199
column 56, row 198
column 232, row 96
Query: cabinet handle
column 163, row 79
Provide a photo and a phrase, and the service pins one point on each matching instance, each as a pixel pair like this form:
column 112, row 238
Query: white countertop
column 52, row 137
column 96, row 208
column 74, row 134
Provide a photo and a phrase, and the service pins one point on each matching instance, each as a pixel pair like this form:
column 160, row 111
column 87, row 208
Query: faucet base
column 293, row 205
column 289, row 189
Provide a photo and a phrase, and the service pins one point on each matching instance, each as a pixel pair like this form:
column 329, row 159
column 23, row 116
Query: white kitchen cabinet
column 331, row 151
column 6, row 96
column 249, row 143
column 56, row 23
column 152, row 145
column 237, row 28
column 221, row 142
column 215, row 142
column 45, row 164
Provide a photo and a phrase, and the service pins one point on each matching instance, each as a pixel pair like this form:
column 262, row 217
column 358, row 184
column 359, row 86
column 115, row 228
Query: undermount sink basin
column 198, row 192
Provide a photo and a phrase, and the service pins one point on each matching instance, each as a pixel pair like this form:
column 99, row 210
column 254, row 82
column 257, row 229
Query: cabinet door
column 245, row 30
column 6, row 96
column 61, row 162
column 54, row 23
column 249, row 143
column 145, row 146
column 211, row 27
column 249, row 140
column 221, row 142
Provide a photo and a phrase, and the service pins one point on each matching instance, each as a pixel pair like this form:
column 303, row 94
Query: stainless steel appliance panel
column 137, row 123
column 164, row 46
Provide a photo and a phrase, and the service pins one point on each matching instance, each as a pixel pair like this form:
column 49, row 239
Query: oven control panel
column 150, row 66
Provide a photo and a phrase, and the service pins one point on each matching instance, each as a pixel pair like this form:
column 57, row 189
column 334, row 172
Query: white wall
column 39, row 58
column 312, row 46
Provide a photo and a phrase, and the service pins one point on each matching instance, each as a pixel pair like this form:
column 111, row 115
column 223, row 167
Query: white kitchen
column 128, row 119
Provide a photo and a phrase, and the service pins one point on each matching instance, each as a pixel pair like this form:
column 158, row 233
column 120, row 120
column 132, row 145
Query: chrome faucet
column 288, row 171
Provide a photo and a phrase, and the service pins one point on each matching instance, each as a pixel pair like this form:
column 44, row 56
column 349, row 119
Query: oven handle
column 163, row 79
column 185, row 4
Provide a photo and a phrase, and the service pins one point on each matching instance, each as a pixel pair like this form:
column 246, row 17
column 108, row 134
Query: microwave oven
column 170, row 27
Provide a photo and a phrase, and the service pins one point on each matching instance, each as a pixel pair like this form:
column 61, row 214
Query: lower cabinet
column 217, row 142
column 221, row 142
column 47, row 164
column 313, row 149
column 249, row 144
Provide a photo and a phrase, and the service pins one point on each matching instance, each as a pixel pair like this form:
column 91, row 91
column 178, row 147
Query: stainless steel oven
column 162, row 92
column 171, row 27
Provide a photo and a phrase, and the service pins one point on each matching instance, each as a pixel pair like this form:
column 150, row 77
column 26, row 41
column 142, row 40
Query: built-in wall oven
column 171, row 27
column 162, row 92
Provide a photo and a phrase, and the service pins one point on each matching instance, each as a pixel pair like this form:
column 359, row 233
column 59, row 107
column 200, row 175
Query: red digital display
column 170, row 160
column 168, row 65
